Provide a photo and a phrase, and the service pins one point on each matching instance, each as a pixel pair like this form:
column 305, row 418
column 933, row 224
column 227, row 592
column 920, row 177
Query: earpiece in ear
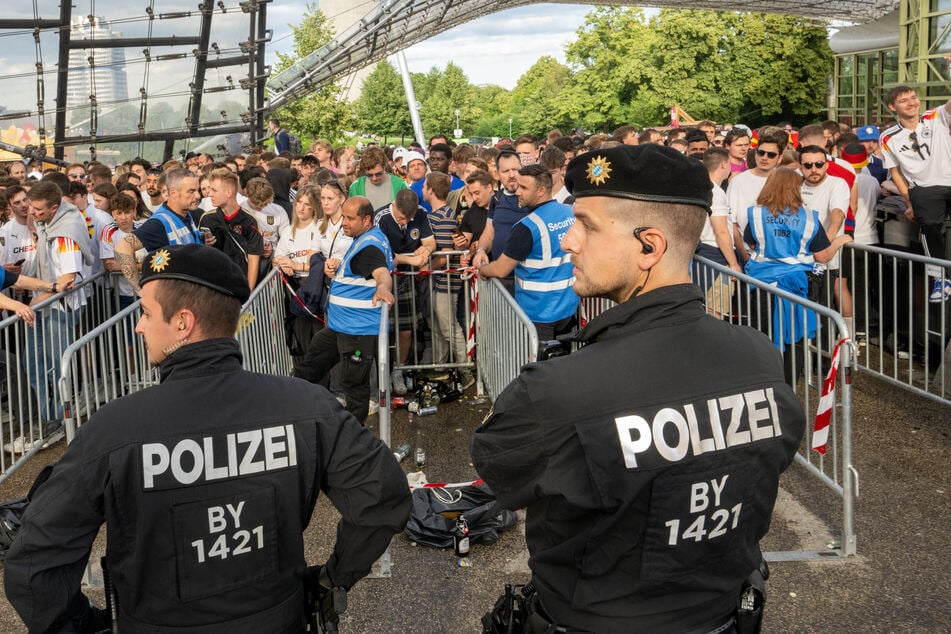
column 646, row 247
column 181, row 325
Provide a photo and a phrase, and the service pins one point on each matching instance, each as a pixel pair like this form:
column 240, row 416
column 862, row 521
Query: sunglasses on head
column 817, row 165
column 771, row 155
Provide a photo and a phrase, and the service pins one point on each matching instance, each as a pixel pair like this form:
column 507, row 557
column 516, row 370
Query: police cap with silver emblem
column 652, row 173
column 198, row 264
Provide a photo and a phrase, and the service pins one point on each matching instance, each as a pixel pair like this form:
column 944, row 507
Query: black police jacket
column 205, row 483
column 648, row 462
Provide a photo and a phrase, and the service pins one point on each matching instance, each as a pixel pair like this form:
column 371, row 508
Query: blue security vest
column 782, row 242
column 544, row 283
column 177, row 230
column 350, row 308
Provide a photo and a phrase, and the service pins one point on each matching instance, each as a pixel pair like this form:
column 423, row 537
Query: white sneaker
column 397, row 384
column 20, row 444
column 940, row 292
column 374, row 408
column 342, row 400
column 466, row 378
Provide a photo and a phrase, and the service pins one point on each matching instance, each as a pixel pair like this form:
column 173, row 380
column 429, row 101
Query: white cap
column 399, row 153
column 413, row 156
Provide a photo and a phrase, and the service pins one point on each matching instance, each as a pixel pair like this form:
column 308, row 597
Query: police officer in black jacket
column 648, row 461
column 205, row 482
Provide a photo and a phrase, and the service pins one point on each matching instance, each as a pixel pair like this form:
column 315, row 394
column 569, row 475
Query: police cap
column 650, row 172
column 198, row 264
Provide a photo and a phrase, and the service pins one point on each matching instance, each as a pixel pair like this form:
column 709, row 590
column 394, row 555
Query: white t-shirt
column 865, row 230
column 272, row 221
column 108, row 238
column 720, row 207
column 96, row 221
column 831, row 193
column 66, row 257
column 17, row 243
column 334, row 242
column 300, row 246
column 742, row 192
column 926, row 160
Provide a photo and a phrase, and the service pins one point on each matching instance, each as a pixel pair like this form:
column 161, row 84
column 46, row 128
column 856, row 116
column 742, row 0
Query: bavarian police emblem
column 159, row 261
column 599, row 170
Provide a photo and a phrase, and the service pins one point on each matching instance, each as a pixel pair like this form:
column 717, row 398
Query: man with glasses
column 745, row 187
column 376, row 184
column 917, row 153
column 76, row 172
column 830, row 197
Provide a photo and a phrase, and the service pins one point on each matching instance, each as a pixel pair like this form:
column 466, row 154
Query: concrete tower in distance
column 342, row 14
column 94, row 71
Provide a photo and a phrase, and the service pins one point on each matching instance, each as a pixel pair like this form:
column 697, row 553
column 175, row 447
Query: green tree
column 537, row 96
column 451, row 91
column 611, row 60
column 382, row 107
column 324, row 112
column 753, row 67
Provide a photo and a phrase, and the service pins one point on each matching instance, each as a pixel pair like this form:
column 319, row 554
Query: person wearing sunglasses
column 379, row 186
column 744, row 187
column 917, row 153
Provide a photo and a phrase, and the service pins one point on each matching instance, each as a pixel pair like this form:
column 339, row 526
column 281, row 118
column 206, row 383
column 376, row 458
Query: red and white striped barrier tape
column 820, row 431
column 446, row 485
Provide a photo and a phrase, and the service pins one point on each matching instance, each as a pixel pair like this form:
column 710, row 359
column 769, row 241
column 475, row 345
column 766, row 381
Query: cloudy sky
column 495, row 49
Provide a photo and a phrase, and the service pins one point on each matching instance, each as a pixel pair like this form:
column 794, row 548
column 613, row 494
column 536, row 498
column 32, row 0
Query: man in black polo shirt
column 411, row 238
column 236, row 231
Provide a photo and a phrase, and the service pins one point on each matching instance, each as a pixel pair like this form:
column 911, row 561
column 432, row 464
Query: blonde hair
column 335, row 185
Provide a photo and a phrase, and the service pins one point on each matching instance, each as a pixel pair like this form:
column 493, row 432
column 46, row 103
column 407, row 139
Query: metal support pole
column 411, row 100
column 204, row 37
column 62, row 76
column 258, row 123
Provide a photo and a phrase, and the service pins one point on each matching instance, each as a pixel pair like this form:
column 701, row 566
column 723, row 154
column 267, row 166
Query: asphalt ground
column 899, row 582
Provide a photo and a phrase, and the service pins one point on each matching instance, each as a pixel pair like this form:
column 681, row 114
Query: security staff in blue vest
column 648, row 461
column 360, row 282
column 172, row 223
column 543, row 277
column 205, row 482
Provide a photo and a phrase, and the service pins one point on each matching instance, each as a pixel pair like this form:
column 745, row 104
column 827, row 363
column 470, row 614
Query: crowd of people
column 620, row 475
column 784, row 201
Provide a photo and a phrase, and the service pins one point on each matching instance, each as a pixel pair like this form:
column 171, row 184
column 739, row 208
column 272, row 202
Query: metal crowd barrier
column 261, row 329
column 807, row 355
column 31, row 407
column 506, row 338
column 907, row 338
column 382, row 566
column 418, row 315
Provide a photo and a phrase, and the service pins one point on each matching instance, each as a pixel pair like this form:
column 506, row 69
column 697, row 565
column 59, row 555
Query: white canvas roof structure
column 395, row 25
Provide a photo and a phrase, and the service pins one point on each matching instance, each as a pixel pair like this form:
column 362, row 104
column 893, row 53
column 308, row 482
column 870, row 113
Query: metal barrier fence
column 505, row 336
column 908, row 337
column 261, row 328
column 424, row 297
column 382, row 566
column 32, row 411
column 807, row 333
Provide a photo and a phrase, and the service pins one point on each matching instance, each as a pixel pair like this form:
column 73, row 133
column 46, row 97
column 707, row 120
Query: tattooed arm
column 125, row 258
